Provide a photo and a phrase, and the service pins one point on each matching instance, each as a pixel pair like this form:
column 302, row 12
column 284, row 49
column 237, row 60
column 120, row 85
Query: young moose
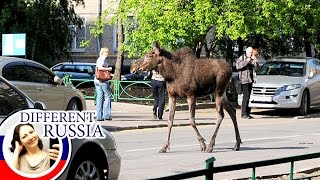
column 187, row 76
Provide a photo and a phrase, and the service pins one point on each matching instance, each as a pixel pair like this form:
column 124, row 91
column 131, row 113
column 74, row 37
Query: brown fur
column 190, row 77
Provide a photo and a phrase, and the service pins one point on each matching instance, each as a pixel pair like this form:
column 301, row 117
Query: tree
column 46, row 24
column 174, row 23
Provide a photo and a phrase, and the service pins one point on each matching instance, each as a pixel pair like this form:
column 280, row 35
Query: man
column 246, row 65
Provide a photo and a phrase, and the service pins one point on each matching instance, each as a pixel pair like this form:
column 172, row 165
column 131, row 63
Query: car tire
column 304, row 106
column 73, row 105
column 87, row 169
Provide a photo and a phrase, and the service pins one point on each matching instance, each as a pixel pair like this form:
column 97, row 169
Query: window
column 10, row 100
column 131, row 27
column 68, row 68
column 15, row 72
column 56, row 68
column 78, row 35
column 38, row 75
column 84, row 69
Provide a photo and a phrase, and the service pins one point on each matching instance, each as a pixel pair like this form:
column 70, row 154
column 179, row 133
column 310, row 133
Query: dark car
column 79, row 71
column 89, row 158
column 76, row 70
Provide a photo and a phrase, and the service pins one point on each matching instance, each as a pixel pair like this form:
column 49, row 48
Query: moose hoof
column 203, row 147
column 236, row 147
column 162, row 151
column 209, row 150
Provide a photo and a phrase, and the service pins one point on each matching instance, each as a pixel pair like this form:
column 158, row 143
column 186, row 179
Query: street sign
column 14, row 44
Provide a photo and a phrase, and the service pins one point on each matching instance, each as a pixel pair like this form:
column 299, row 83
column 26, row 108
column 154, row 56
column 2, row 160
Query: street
column 268, row 136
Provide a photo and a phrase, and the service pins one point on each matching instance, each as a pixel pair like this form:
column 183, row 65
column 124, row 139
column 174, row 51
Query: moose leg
column 192, row 105
column 172, row 107
column 219, row 109
column 232, row 112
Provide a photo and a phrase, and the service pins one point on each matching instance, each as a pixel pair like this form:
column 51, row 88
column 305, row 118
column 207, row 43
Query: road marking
column 246, row 140
column 147, row 149
column 280, row 137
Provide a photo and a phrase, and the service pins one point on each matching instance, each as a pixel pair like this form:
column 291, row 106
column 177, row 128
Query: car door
column 316, row 78
column 47, row 91
column 16, row 73
column 313, row 82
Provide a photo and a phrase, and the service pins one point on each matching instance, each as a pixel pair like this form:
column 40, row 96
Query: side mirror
column 40, row 105
column 57, row 80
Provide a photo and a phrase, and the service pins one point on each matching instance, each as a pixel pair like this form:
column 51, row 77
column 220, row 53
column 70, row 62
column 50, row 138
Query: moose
column 188, row 77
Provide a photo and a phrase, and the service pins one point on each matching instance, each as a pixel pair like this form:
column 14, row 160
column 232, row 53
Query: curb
column 182, row 107
column 118, row 128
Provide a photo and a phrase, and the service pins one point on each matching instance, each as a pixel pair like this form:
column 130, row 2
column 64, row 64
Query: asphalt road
column 277, row 134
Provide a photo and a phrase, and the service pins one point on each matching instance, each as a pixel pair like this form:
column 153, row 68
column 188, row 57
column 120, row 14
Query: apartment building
column 90, row 11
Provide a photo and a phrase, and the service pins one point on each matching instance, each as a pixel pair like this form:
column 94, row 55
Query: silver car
column 40, row 84
column 90, row 158
column 287, row 82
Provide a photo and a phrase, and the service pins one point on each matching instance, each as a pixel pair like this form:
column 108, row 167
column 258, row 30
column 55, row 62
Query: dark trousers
column 246, row 91
column 158, row 91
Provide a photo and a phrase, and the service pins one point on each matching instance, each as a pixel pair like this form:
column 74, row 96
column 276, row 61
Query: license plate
column 262, row 98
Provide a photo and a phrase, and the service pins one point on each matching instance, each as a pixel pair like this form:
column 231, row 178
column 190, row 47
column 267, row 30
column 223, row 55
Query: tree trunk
column 118, row 66
column 229, row 56
column 307, row 44
column 240, row 47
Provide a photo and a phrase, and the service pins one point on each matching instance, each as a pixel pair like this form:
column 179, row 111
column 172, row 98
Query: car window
column 10, row 100
column 68, row 68
column 15, row 72
column 38, row 75
column 84, row 69
column 56, row 68
column 296, row 69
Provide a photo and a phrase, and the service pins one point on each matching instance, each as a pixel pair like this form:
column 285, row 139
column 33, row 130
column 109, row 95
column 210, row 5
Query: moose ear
column 156, row 47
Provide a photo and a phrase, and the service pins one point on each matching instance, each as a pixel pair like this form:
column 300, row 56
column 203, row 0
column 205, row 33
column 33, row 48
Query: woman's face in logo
column 28, row 136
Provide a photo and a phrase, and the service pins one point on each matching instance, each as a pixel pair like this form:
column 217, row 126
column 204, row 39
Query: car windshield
column 295, row 69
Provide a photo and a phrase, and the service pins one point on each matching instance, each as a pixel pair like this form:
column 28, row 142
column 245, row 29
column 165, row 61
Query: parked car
column 79, row 70
column 76, row 70
column 39, row 83
column 287, row 82
column 95, row 158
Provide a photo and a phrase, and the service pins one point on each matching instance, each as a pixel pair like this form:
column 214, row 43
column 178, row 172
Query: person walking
column 158, row 92
column 246, row 65
column 158, row 89
column 103, row 88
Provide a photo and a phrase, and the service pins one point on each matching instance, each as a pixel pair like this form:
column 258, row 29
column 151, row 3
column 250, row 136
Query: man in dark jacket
column 246, row 65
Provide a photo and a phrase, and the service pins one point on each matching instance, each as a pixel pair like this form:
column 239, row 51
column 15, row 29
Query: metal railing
column 121, row 90
column 210, row 170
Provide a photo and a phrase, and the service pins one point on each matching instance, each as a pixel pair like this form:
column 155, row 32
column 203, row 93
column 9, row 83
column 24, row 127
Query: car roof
column 290, row 59
column 75, row 63
column 13, row 59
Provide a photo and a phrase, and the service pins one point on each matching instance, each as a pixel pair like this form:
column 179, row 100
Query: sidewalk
column 126, row 116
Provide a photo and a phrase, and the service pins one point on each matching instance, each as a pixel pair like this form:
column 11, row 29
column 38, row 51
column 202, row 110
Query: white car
column 40, row 84
column 287, row 82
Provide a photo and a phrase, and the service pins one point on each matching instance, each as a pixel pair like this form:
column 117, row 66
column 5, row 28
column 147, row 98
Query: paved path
column 126, row 116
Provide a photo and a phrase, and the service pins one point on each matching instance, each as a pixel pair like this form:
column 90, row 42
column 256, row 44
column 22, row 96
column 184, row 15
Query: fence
column 121, row 90
column 210, row 170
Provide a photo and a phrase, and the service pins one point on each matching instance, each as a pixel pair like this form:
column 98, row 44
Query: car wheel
column 304, row 107
column 73, row 105
column 88, row 170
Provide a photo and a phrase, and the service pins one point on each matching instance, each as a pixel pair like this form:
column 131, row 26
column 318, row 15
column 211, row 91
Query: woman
column 103, row 88
column 28, row 156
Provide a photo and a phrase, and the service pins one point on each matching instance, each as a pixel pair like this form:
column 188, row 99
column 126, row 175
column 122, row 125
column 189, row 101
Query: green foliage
column 46, row 24
column 175, row 23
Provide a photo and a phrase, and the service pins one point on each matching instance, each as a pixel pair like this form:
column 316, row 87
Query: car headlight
column 287, row 88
